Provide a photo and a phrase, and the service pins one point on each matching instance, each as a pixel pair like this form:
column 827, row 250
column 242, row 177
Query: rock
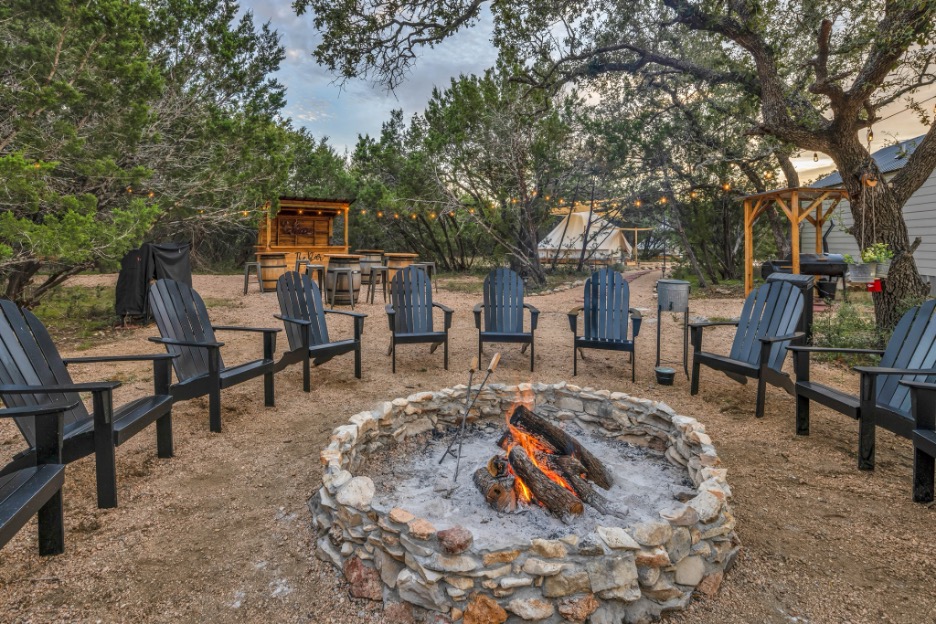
column 512, row 582
column 504, row 556
column 654, row 558
column 453, row 563
column 412, row 589
column 652, row 533
column 461, row 582
column 401, row 515
column 679, row 545
column 531, row 608
column 662, row 591
column 334, row 479
column 710, row 584
column 690, row 570
column 617, row 538
column 399, row 613
column 612, row 573
column 456, row 614
column 680, row 515
column 578, row 609
column 591, row 546
column 647, row 577
column 571, row 404
column 455, row 540
column 388, row 567
column 483, row 609
column 357, row 493
column 420, row 528
column 538, row 567
column 707, row 505
column 365, row 581
column 550, row 549
column 566, row 583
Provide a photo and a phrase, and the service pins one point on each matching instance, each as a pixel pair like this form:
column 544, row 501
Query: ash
column 409, row 476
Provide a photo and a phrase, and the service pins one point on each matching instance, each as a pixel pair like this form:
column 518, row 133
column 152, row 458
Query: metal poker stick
column 469, row 403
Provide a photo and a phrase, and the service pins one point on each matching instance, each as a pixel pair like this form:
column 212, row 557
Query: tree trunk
column 687, row 249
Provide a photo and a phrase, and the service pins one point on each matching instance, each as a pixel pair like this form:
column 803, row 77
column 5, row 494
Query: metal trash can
column 673, row 295
column 805, row 283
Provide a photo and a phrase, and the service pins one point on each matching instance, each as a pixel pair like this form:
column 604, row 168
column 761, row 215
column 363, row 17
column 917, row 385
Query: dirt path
column 220, row 533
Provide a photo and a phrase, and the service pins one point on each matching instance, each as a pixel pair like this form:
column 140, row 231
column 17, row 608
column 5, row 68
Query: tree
column 820, row 70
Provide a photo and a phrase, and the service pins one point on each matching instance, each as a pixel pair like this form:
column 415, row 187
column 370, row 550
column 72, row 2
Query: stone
column 334, row 479
column 503, row 556
column 591, row 546
column 707, row 505
column 538, row 567
column 453, row 563
column 680, row 515
column 709, row 584
column 652, row 533
column 399, row 613
column 401, row 515
column 566, row 583
column 654, row 558
column 679, row 545
column 578, row 609
column 455, row 540
column 357, row 493
column 647, row 577
column 461, row 582
column 420, row 528
column 617, row 538
column 493, row 573
column 417, row 549
column 690, row 570
column 388, row 567
column 662, row 591
column 512, row 582
column 550, row 549
column 534, row 609
column 483, row 609
column 613, row 572
column 416, row 427
column 365, row 581
column 414, row 590
column 571, row 404
column 456, row 614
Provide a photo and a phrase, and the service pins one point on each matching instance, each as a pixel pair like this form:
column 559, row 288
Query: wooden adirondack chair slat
column 605, row 314
column 502, row 312
column 410, row 312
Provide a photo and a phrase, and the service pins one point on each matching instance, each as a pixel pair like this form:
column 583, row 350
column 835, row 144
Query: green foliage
column 847, row 326
column 80, row 313
column 878, row 252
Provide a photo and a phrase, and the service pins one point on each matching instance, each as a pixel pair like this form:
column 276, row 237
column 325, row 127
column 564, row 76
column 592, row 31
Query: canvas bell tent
column 604, row 241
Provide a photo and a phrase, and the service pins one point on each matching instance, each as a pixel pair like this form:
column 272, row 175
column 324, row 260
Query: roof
column 317, row 200
column 888, row 159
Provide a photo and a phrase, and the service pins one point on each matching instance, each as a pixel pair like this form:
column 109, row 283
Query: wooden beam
column 793, row 213
column 347, row 215
column 748, row 248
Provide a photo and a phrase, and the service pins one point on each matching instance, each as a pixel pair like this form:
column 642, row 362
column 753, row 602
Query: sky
column 342, row 112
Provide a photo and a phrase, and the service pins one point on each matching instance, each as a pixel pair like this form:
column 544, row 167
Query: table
column 343, row 275
column 272, row 265
column 397, row 261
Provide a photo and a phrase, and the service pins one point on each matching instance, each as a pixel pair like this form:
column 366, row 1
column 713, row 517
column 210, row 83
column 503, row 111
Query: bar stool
column 256, row 267
column 338, row 272
column 300, row 262
column 430, row 269
column 319, row 272
column 376, row 271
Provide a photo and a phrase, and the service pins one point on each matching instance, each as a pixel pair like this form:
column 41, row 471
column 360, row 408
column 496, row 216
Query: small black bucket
column 664, row 375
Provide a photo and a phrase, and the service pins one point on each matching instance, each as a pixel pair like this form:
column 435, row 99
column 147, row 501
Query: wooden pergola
column 798, row 204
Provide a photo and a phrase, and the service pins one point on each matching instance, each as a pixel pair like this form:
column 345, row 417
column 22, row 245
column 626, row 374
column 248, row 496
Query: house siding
column 919, row 214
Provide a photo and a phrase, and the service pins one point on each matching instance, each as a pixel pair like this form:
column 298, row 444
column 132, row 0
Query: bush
column 849, row 326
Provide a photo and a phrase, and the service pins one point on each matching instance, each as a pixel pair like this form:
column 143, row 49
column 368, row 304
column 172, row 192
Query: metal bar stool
column 256, row 267
column 338, row 272
column 376, row 271
column 319, row 273
column 300, row 262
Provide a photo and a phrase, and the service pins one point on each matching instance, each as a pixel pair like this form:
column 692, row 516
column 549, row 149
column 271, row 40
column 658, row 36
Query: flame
column 534, row 449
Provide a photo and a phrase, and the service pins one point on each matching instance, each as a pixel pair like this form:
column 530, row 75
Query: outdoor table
column 272, row 265
column 397, row 261
column 343, row 278
column 430, row 268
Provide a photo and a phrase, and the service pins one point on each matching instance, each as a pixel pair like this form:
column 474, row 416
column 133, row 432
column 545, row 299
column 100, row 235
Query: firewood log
column 555, row 498
column 572, row 471
column 499, row 493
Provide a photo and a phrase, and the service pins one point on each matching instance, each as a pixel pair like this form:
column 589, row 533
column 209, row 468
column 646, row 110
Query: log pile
column 544, row 465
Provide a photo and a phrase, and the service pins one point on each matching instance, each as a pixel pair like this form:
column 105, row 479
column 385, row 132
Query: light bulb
column 870, row 135
column 815, row 157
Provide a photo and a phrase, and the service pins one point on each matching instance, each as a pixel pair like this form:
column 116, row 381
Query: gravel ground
column 220, row 532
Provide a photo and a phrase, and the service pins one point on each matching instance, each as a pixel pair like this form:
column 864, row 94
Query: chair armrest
column 575, row 311
column 442, row 307
column 714, row 324
column 798, row 348
column 94, row 386
column 37, row 410
column 294, row 321
column 773, row 339
column 266, row 330
column 187, row 343
column 573, row 318
column 919, row 385
column 477, row 314
column 391, row 314
column 878, row 370
column 143, row 357
column 534, row 315
column 347, row 313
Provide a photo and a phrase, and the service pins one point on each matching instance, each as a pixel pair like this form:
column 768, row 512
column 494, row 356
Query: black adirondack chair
column 306, row 330
column 765, row 330
column 606, row 312
column 923, row 408
column 882, row 401
column 36, row 490
column 410, row 313
column 503, row 312
column 187, row 333
column 33, row 374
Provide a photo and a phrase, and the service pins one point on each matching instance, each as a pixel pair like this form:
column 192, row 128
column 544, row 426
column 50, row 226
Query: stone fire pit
column 602, row 573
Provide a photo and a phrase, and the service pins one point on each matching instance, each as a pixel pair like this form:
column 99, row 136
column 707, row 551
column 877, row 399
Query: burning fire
column 535, row 449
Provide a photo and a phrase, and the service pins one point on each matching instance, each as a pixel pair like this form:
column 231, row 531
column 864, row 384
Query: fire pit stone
column 611, row 572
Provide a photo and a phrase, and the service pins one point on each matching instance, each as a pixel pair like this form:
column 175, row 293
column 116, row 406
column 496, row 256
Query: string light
column 726, row 186
column 380, row 213
column 693, row 194
column 870, row 135
column 36, row 166
column 129, row 190
column 151, row 195
column 815, row 157
column 768, row 175
column 432, row 215
column 637, row 203
column 244, row 213
column 663, row 200
column 363, row 212
column 300, row 212
column 413, row 216
column 396, row 215
column 471, row 211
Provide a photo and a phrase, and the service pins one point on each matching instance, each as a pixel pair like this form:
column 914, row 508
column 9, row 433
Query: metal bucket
column 862, row 273
column 673, row 295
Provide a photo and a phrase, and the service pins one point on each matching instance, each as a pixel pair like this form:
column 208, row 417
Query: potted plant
column 859, row 271
column 881, row 254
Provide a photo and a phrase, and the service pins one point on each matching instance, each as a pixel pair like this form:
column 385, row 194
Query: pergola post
column 794, row 230
column 347, row 215
column 748, row 248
